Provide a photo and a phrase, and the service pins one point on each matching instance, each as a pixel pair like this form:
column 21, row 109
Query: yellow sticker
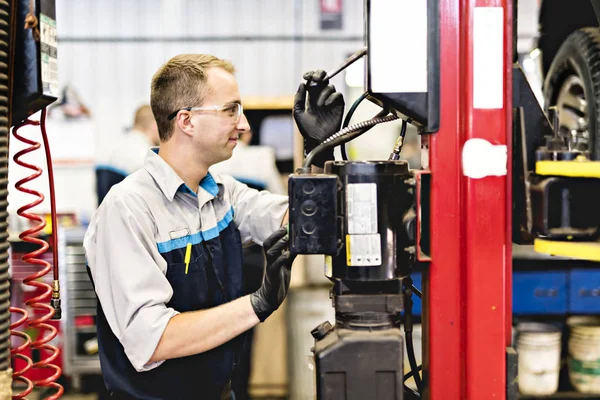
column 348, row 252
column 328, row 266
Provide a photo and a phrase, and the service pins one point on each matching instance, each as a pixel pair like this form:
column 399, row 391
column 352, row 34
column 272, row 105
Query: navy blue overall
column 214, row 277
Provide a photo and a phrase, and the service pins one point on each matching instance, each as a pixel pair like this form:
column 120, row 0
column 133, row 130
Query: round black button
column 309, row 208
column 308, row 187
column 308, row 227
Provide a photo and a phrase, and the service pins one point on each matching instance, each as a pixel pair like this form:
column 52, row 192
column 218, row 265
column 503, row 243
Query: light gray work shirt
column 141, row 221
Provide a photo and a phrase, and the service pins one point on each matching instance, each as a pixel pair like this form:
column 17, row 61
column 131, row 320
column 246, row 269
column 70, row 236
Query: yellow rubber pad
column 581, row 250
column 574, row 169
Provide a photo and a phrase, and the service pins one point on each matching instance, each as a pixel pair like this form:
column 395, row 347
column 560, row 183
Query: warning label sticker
column 363, row 250
column 49, row 58
column 361, row 202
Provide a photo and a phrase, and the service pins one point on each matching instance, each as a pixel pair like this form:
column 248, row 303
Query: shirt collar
column 170, row 183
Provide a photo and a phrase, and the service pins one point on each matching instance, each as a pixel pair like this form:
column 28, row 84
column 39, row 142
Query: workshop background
column 109, row 50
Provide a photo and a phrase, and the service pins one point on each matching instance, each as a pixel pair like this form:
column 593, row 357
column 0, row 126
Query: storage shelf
column 526, row 252
column 81, row 301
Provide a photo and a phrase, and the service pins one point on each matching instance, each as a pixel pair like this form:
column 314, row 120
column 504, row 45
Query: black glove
column 321, row 116
column 276, row 282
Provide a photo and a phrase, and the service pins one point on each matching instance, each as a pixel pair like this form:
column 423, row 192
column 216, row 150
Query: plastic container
column 539, row 358
column 584, row 354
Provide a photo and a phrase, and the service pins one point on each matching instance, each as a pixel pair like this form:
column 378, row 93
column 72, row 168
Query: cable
column 417, row 292
column 46, row 331
column 347, row 121
column 55, row 300
column 410, row 350
column 410, row 374
column 348, row 134
column 358, row 126
column 410, row 394
column 408, row 329
column 399, row 143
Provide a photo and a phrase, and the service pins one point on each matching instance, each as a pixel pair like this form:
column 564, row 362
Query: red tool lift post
column 469, row 283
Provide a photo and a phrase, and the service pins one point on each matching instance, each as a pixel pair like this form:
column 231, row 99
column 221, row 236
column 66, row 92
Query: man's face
column 215, row 134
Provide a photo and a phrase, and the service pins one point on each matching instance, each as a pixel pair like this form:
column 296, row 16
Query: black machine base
column 359, row 364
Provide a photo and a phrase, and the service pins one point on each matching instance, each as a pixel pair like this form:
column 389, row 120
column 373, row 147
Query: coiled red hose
column 41, row 302
column 18, row 375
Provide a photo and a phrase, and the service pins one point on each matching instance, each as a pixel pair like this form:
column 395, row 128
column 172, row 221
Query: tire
column 573, row 85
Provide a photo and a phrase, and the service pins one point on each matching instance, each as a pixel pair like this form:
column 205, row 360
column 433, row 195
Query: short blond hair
column 143, row 116
column 180, row 83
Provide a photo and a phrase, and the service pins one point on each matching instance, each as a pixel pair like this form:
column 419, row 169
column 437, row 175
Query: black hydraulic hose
column 410, row 350
column 5, row 13
column 410, row 373
column 347, row 121
column 347, row 134
column 399, row 143
column 417, row 292
column 410, row 394
column 408, row 329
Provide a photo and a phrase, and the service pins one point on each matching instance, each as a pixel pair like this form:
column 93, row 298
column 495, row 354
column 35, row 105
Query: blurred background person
column 127, row 153
column 253, row 165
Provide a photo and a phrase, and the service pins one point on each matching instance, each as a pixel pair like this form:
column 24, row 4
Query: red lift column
column 469, row 283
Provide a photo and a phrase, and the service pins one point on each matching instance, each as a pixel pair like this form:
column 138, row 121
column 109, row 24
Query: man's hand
column 276, row 282
column 320, row 116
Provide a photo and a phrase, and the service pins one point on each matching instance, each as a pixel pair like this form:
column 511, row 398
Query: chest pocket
column 191, row 291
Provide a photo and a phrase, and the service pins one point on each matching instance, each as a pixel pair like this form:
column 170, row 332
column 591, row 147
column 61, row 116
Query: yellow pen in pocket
column 188, row 255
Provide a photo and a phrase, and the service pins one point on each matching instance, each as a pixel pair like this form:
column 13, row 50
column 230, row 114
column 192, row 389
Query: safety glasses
column 231, row 112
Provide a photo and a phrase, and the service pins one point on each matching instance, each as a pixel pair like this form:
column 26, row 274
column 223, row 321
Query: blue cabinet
column 584, row 291
column 539, row 292
column 575, row 291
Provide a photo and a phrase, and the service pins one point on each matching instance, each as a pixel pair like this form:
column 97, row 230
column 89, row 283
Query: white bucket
column 584, row 354
column 538, row 346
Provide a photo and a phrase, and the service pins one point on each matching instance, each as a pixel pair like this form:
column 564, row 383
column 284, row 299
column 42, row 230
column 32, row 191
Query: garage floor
column 36, row 395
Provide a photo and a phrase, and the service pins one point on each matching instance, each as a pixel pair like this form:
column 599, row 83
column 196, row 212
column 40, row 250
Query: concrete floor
column 79, row 397
column 35, row 395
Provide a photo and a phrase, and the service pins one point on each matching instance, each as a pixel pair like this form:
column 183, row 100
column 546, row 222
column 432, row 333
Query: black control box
column 313, row 214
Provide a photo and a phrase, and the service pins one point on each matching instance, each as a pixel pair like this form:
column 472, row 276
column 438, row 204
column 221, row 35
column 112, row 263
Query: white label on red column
column 488, row 57
column 480, row 159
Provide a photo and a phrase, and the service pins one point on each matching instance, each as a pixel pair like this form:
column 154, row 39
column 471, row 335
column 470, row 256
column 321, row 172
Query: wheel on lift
column 573, row 85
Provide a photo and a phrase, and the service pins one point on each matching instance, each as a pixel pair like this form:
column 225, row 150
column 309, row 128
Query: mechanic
column 164, row 250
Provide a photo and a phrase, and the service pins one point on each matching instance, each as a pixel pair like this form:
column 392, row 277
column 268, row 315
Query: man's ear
column 184, row 121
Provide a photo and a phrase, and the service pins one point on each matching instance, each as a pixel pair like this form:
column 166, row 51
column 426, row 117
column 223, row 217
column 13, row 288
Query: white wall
column 109, row 50
column 113, row 76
